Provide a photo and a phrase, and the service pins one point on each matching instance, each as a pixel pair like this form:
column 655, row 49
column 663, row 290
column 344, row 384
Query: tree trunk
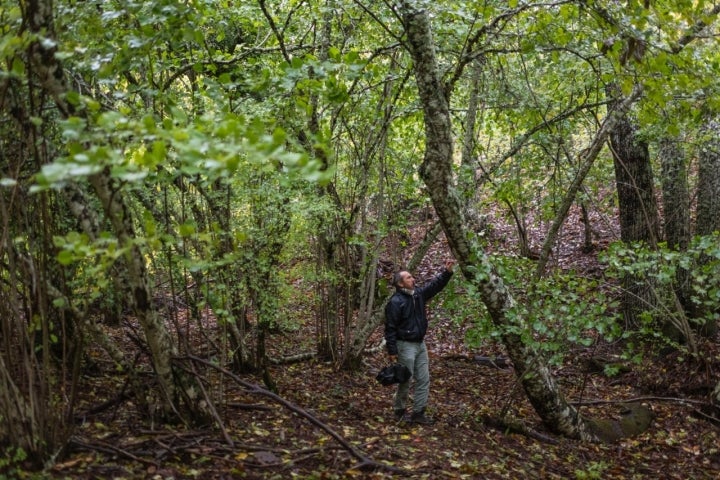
column 373, row 215
column 469, row 164
column 708, row 204
column 676, row 199
column 539, row 385
column 715, row 396
column 159, row 340
column 638, row 212
column 676, row 205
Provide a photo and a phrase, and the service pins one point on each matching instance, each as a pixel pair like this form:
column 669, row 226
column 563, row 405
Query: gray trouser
column 414, row 356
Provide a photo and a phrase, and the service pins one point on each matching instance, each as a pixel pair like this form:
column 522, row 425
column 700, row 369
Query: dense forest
column 203, row 203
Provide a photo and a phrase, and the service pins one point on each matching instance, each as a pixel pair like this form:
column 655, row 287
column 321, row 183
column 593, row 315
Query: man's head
column 403, row 279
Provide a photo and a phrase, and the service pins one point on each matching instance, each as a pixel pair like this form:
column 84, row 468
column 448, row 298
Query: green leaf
column 65, row 257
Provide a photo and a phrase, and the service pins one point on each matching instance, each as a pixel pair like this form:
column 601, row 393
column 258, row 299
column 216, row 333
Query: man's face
column 407, row 280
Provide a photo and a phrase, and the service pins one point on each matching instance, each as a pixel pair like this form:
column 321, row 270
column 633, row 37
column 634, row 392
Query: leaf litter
column 270, row 441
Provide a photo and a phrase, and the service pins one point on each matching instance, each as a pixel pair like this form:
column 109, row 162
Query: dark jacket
column 405, row 317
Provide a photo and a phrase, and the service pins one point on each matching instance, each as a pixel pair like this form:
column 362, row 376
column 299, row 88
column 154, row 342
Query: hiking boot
column 399, row 414
column 419, row 417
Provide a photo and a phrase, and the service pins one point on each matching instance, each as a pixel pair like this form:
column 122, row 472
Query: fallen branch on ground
column 300, row 357
column 365, row 461
column 637, row 400
column 497, row 362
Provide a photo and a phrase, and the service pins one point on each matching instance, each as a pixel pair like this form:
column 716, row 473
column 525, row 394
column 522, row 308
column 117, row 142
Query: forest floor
column 328, row 424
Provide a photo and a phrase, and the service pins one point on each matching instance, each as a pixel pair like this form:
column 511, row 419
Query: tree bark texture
column 638, row 210
column 536, row 378
column 708, row 206
column 468, row 161
column 676, row 197
column 676, row 207
column 637, row 207
column 708, row 201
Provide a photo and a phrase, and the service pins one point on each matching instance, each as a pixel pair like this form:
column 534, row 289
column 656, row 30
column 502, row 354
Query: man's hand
column 449, row 265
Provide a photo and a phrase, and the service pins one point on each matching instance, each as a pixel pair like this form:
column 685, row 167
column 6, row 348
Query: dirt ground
column 329, row 424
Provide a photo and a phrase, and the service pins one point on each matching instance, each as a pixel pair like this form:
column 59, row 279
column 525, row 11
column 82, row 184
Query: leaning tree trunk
column 158, row 337
column 436, row 171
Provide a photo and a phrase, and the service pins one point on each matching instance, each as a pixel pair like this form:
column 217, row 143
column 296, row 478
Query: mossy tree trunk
column 436, row 171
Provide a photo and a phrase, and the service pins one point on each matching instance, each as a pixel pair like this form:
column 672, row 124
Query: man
column 405, row 327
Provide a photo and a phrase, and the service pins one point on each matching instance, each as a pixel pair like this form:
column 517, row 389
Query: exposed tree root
column 512, row 426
